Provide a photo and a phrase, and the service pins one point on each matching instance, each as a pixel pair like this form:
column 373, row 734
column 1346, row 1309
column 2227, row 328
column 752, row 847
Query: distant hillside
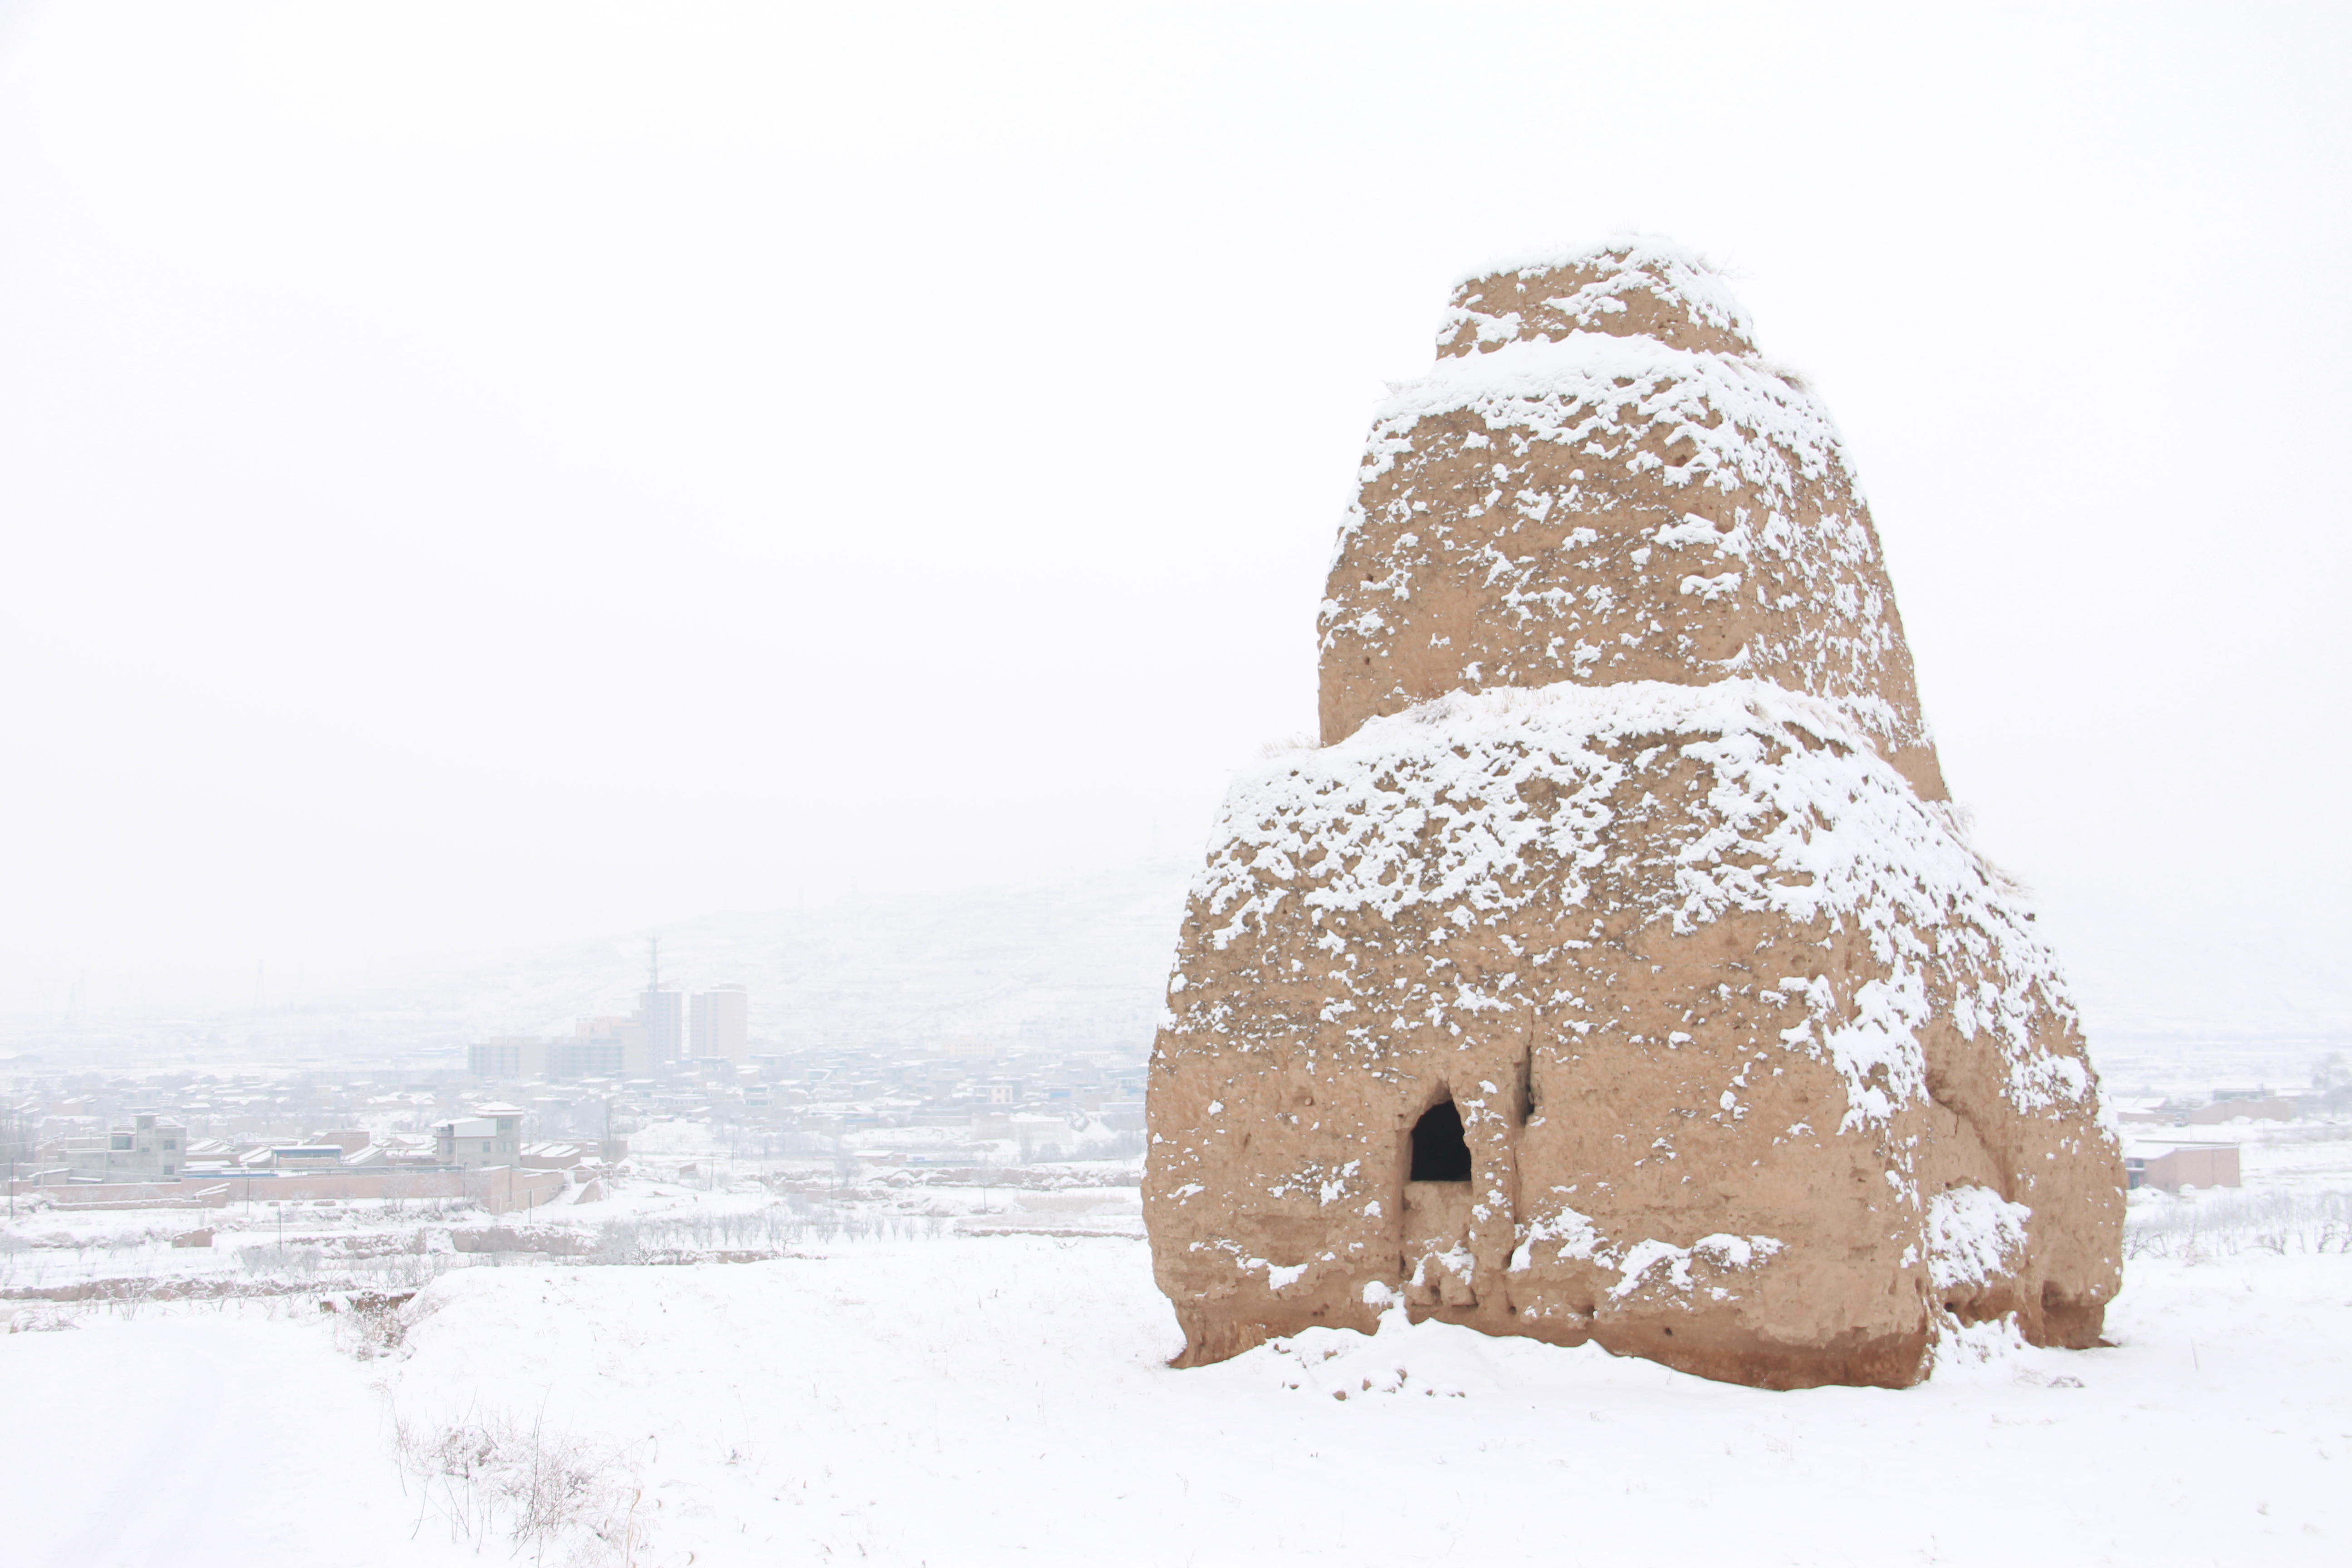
column 2142, row 981
column 1080, row 960
column 1074, row 961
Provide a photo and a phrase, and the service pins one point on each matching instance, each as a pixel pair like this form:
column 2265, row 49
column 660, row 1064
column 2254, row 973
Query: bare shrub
column 2223, row 1224
column 372, row 1323
column 40, row 1321
column 490, row 1480
column 616, row 1241
column 295, row 1262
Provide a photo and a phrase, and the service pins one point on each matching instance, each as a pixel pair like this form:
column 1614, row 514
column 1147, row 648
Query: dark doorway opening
column 1439, row 1151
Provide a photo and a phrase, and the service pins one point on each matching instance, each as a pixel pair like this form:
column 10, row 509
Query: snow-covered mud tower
column 1616, row 969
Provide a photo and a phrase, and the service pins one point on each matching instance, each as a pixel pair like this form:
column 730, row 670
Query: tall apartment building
column 603, row 1047
column 722, row 1023
column 648, row 1039
column 509, row 1056
column 663, row 1012
column 597, row 1048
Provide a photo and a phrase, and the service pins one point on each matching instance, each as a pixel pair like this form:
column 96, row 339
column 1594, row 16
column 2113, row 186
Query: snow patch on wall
column 1724, row 1250
column 1576, row 1238
column 1747, row 424
column 1974, row 1237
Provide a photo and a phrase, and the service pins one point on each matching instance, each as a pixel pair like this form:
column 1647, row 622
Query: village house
column 2171, row 1166
column 492, row 1135
column 149, row 1150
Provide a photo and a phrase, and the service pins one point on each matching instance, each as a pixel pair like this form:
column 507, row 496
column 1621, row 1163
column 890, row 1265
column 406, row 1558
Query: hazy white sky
column 477, row 473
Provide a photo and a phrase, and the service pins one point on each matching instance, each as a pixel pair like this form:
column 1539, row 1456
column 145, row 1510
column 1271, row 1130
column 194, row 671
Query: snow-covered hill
column 1076, row 961
column 1080, row 960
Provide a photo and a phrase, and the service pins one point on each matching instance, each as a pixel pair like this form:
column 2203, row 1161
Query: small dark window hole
column 1439, row 1152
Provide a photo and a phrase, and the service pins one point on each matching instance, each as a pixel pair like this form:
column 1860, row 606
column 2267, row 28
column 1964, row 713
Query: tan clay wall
column 1637, row 512
column 1626, row 838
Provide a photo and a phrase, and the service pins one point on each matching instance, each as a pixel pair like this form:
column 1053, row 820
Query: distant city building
column 970, row 1046
column 513, row 1056
column 652, row 1037
column 663, row 1014
column 662, row 1010
column 598, row 1047
column 721, row 1018
column 147, row 1151
column 602, row 1047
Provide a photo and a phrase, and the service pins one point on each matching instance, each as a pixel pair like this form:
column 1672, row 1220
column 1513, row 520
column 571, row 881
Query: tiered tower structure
column 1616, row 969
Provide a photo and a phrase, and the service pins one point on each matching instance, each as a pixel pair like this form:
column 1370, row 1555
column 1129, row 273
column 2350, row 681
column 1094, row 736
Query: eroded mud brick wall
column 1615, row 970
column 1601, row 481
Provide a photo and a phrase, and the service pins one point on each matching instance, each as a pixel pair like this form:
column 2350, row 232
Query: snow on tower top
column 1624, row 288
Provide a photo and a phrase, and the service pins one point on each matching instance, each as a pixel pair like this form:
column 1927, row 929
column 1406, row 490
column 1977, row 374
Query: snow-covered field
column 924, row 1373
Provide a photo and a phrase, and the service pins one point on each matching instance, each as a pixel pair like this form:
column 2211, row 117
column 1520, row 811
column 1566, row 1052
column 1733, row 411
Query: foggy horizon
column 483, row 482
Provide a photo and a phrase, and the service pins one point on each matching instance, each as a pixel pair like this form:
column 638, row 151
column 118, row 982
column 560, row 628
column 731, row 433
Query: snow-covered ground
column 1003, row 1400
column 917, row 1369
